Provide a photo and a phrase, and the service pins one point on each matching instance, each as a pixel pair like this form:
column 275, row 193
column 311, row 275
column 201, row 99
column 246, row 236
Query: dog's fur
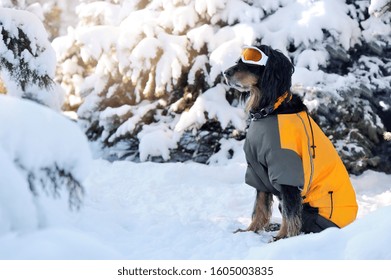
column 261, row 86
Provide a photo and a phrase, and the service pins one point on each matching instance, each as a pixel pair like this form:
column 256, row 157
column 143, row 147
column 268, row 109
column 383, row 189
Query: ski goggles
column 253, row 55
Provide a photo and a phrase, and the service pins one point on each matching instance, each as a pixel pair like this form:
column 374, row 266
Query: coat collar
column 266, row 111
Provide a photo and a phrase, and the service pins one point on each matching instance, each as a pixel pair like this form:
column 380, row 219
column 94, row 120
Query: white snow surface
column 189, row 211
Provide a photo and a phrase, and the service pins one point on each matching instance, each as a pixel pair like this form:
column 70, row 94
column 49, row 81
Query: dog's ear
column 277, row 76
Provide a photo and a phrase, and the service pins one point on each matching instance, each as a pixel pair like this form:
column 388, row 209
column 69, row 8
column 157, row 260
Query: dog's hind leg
column 261, row 213
column 292, row 208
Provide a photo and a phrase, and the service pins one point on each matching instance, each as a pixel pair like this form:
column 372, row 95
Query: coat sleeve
column 285, row 167
column 253, row 179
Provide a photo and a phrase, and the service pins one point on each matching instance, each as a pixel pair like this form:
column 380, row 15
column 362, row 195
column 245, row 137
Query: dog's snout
column 228, row 72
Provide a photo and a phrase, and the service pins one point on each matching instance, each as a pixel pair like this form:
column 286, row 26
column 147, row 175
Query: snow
column 311, row 59
column 21, row 213
column 140, row 110
column 214, row 103
column 348, row 243
column 377, row 6
column 109, row 11
column 173, row 210
column 154, row 211
column 94, row 43
column 44, row 140
column 43, row 137
column 157, row 140
column 189, row 211
column 143, row 50
column 305, row 18
column 39, row 56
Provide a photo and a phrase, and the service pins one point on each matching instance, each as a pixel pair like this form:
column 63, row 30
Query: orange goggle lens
column 253, row 55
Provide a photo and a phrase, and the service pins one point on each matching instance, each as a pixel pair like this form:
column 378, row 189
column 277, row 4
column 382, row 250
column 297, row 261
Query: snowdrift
column 177, row 211
column 365, row 239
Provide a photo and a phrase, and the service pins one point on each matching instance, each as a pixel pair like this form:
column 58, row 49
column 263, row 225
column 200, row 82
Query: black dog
column 283, row 159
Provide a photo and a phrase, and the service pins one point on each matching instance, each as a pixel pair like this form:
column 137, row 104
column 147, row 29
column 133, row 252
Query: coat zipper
column 332, row 203
column 311, row 156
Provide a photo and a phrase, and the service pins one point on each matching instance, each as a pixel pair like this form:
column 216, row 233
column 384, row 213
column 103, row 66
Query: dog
column 287, row 153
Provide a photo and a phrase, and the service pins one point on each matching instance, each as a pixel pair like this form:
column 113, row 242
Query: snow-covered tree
column 27, row 59
column 44, row 159
column 140, row 68
column 145, row 76
column 43, row 155
column 56, row 15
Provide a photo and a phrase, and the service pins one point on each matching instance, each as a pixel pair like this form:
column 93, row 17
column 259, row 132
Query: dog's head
column 263, row 72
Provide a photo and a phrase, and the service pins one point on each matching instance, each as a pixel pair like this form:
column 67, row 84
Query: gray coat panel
column 270, row 166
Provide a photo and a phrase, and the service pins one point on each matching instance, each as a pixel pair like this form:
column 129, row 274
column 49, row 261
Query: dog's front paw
column 277, row 237
column 284, row 234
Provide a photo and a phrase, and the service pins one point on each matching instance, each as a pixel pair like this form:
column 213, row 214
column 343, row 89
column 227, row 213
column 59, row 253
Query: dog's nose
column 228, row 72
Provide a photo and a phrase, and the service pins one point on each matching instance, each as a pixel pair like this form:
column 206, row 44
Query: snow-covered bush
column 142, row 70
column 42, row 154
column 27, row 59
column 379, row 7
